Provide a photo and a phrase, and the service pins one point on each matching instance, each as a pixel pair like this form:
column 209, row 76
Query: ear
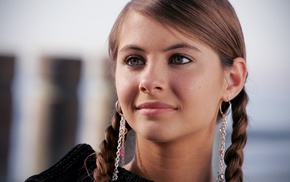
column 235, row 78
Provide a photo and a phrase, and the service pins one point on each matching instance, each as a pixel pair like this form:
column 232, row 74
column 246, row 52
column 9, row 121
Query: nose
column 153, row 79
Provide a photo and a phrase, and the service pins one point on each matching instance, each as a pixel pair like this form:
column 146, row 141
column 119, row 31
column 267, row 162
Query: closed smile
column 151, row 108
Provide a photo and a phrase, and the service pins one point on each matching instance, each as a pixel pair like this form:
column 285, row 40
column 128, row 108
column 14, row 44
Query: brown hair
column 213, row 22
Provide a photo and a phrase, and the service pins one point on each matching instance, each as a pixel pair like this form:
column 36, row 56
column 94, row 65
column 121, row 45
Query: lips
column 155, row 108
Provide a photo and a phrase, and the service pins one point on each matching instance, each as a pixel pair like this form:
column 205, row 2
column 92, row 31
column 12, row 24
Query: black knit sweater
column 78, row 166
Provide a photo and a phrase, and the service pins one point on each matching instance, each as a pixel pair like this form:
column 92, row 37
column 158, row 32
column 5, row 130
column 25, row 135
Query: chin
column 156, row 131
column 157, row 136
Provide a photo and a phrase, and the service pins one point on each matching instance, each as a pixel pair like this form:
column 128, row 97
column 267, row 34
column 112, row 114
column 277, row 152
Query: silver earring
column 222, row 143
column 120, row 154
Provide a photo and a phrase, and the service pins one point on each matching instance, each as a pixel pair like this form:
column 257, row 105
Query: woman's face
column 169, row 86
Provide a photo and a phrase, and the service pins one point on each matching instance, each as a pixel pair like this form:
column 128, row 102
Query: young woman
column 180, row 69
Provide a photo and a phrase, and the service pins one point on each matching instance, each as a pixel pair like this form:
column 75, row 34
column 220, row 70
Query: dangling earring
column 120, row 154
column 222, row 143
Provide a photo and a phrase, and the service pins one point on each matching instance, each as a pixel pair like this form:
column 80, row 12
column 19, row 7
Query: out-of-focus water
column 267, row 157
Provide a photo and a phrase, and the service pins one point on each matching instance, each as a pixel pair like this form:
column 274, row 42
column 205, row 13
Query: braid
column 234, row 155
column 108, row 148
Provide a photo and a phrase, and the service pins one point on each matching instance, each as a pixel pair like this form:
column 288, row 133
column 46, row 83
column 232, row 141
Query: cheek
column 187, row 85
column 126, row 88
column 201, row 89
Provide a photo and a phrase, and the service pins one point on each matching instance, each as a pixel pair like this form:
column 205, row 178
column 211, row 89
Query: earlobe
column 235, row 78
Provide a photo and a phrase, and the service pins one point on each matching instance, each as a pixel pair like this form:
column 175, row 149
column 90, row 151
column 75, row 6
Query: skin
column 170, row 88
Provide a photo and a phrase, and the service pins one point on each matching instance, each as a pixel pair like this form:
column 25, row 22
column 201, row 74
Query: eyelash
column 134, row 57
column 139, row 59
column 189, row 60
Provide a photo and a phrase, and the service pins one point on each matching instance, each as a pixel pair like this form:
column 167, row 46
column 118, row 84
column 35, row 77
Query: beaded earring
column 120, row 154
column 222, row 143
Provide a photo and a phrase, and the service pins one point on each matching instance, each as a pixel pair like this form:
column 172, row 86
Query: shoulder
column 76, row 166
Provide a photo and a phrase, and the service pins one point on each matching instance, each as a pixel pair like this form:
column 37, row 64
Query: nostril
column 149, row 88
column 159, row 88
column 151, row 83
column 143, row 89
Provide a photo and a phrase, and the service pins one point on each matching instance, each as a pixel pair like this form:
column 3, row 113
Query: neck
column 173, row 161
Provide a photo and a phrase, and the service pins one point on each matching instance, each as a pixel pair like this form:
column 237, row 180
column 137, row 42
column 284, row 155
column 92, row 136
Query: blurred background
column 56, row 90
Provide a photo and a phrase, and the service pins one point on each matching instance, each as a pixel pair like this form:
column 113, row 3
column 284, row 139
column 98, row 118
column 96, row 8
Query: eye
column 179, row 59
column 134, row 61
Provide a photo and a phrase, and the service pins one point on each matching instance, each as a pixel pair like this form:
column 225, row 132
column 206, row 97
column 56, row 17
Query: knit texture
column 78, row 166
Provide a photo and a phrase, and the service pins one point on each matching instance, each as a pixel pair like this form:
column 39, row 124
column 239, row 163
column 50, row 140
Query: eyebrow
column 131, row 47
column 181, row 46
column 173, row 47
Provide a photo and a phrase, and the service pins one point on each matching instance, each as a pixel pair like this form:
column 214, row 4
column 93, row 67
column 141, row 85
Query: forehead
column 140, row 28
column 137, row 23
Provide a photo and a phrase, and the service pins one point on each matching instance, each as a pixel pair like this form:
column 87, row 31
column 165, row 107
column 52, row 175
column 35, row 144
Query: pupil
column 178, row 60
